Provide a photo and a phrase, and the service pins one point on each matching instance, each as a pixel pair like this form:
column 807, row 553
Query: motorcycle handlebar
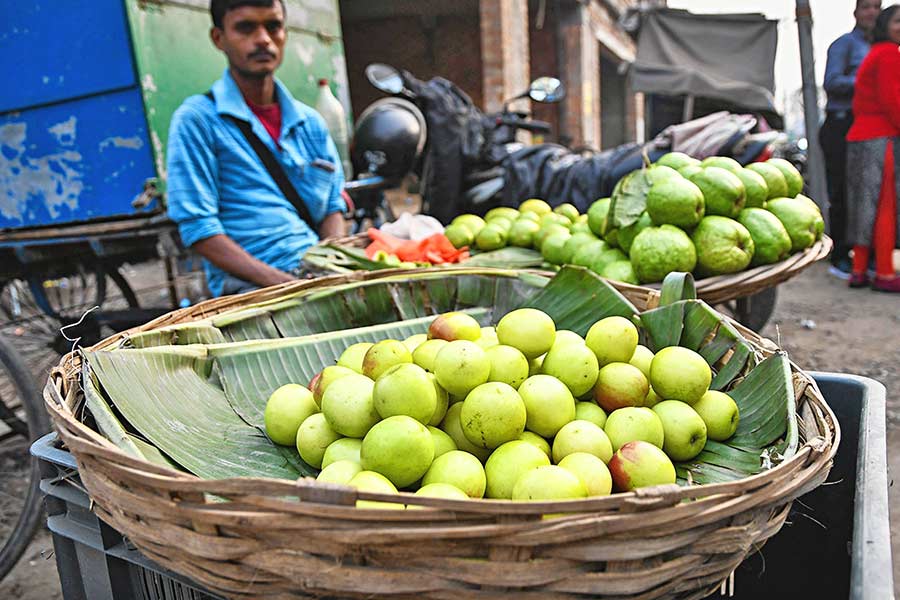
column 533, row 126
column 366, row 183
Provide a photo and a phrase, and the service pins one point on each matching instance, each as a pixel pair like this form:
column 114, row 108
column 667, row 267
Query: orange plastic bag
column 435, row 249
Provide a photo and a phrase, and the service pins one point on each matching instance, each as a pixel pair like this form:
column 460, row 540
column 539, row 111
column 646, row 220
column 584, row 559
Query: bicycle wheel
column 20, row 500
column 33, row 311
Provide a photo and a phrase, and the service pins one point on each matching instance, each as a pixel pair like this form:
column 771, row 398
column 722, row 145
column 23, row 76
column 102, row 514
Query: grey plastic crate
column 94, row 561
column 837, row 541
column 835, row 545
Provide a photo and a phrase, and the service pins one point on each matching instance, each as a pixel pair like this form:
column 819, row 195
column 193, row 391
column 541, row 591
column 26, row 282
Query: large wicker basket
column 252, row 537
column 715, row 290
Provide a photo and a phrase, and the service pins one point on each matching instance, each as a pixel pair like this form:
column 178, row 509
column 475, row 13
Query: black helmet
column 388, row 139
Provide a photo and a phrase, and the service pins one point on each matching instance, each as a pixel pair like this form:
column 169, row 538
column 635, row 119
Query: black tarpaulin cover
column 455, row 138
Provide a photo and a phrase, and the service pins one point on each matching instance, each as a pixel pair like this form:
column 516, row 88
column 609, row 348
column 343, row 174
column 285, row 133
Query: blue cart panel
column 74, row 161
column 59, row 49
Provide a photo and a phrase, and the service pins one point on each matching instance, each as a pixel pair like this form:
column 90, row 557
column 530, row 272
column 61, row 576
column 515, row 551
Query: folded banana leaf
column 201, row 405
column 344, row 259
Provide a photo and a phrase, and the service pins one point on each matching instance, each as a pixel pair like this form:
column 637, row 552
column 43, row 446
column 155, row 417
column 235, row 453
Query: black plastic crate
column 836, row 543
column 94, row 561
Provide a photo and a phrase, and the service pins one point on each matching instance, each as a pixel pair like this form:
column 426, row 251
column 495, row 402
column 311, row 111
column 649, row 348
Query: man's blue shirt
column 844, row 57
column 218, row 185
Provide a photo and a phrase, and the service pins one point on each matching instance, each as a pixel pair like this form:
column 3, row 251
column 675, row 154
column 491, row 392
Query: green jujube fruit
column 522, row 233
column 588, row 253
column 491, row 237
column 459, row 235
column 553, row 248
column 546, row 231
column 575, row 243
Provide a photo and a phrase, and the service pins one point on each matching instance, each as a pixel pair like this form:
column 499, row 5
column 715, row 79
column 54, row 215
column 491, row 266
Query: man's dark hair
column 880, row 32
column 218, row 8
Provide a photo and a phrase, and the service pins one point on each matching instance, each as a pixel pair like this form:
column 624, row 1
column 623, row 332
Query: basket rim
column 715, row 289
column 284, row 537
column 215, row 307
column 57, row 395
column 92, row 441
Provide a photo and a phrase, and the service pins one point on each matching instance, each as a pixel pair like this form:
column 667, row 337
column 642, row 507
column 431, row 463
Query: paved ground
column 822, row 324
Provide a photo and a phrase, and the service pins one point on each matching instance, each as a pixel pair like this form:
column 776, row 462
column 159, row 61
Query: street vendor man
column 254, row 179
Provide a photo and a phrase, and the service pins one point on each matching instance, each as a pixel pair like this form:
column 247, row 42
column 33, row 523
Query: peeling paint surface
column 54, row 179
column 305, row 54
column 148, row 84
column 133, row 142
column 73, row 161
column 159, row 154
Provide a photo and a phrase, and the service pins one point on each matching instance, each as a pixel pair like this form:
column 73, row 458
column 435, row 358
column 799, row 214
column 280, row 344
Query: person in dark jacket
column 844, row 57
column 873, row 168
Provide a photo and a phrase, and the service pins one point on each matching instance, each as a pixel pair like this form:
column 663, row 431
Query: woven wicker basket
column 714, row 290
column 251, row 537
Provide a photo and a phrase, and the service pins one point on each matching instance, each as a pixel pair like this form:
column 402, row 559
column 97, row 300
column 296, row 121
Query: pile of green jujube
column 709, row 217
column 519, row 411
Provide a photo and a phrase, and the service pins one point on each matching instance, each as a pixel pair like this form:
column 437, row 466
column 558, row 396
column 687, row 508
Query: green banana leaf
column 341, row 259
column 510, row 257
column 386, row 300
column 201, row 405
column 629, row 200
column 197, row 332
column 185, row 415
column 344, row 259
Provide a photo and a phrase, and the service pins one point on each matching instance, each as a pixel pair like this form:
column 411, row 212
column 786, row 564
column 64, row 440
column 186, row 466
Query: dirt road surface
column 823, row 325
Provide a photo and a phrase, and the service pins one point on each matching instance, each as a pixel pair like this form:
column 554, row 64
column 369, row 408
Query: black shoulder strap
column 273, row 167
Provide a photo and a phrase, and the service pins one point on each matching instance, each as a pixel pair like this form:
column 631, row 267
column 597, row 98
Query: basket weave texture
column 247, row 538
column 714, row 290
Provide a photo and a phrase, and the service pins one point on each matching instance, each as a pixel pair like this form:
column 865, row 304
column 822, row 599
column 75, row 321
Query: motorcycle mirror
column 385, row 77
column 546, row 89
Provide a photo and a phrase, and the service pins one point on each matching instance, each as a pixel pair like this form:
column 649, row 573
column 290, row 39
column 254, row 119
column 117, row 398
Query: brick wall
column 504, row 54
column 542, row 37
column 468, row 49
column 448, row 46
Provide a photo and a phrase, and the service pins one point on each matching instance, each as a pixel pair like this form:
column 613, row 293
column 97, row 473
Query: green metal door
column 175, row 57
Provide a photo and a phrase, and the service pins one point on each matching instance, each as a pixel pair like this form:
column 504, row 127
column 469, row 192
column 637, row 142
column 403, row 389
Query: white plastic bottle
column 333, row 112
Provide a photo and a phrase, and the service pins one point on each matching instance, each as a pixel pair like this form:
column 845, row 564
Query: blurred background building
column 493, row 48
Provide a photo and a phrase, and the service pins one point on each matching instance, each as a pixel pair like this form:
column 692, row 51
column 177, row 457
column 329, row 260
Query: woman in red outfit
column 873, row 158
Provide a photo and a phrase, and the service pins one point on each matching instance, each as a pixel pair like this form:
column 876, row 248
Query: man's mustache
column 261, row 54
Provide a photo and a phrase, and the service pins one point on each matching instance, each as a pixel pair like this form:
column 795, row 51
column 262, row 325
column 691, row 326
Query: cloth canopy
column 726, row 57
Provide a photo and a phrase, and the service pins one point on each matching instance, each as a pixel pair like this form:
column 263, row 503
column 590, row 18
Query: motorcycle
column 467, row 161
column 433, row 130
